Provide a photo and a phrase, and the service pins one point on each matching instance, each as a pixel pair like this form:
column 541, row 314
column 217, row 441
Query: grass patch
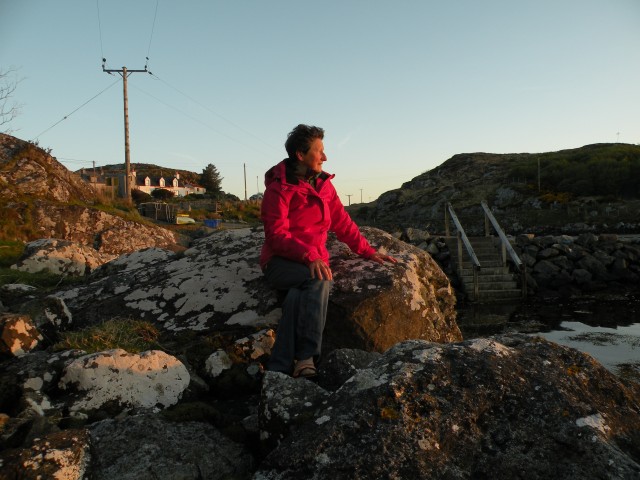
column 42, row 280
column 10, row 252
column 134, row 336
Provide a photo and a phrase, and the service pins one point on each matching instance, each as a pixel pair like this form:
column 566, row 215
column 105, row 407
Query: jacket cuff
column 310, row 257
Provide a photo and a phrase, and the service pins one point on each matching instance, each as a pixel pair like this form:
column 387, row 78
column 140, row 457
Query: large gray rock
column 150, row 448
column 217, row 283
column 502, row 408
column 150, row 380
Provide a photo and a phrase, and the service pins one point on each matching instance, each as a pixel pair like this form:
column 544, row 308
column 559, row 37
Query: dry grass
column 131, row 335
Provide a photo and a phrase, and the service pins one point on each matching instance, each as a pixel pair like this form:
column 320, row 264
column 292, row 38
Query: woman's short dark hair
column 299, row 139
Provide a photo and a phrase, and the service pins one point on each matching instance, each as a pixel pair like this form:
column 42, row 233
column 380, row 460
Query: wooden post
column 127, row 161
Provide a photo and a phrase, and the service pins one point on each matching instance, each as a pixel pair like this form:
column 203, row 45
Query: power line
column 69, row 114
column 197, row 120
column 212, row 111
column 152, row 29
column 100, row 29
column 73, row 160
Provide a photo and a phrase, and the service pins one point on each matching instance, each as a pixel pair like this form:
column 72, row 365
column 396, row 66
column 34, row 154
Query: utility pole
column 360, row 195
column 349, row 197
column 244, row 165
column 124, row 73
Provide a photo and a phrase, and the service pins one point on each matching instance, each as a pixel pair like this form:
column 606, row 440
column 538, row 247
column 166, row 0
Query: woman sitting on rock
column 299, row 208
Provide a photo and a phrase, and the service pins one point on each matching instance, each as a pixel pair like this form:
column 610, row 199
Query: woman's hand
column 381, row 258
column 320, row 270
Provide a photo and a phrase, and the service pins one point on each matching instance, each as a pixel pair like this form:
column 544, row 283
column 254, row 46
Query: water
column 607, row 327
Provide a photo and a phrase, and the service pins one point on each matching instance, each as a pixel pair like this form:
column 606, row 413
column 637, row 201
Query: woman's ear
column 299, row 155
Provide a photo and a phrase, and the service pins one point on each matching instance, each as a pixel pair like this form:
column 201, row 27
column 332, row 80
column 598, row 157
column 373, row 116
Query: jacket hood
column 277, row 173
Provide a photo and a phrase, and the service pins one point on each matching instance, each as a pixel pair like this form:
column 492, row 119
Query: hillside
column 592, row 187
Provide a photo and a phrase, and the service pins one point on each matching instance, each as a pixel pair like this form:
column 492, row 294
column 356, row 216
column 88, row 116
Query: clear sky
column 399, row 86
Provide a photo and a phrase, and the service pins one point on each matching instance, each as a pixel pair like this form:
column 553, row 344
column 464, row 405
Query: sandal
column 305, row 369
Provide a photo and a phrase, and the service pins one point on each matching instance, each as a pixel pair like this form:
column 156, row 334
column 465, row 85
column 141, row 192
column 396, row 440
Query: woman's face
column 315, row 157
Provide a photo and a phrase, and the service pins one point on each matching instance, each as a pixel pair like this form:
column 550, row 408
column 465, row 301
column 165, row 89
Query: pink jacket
column 297, row 219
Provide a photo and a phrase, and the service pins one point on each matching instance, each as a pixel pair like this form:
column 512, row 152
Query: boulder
column 147, row 447
column 286, row 403
column 120, row 380
column 218, row 283
column 60, row 257
column 502, row 407
column 372, row 307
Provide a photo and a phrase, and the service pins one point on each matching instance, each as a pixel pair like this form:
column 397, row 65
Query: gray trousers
column 304, row 313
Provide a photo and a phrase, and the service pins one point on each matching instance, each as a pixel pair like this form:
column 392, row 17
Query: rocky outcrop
column 42, row 199
column 217, row 283
column 509, row 183
column 499, row 407
column 108, row 234
column 212, row 298
column 504, row 407
column 30, row 171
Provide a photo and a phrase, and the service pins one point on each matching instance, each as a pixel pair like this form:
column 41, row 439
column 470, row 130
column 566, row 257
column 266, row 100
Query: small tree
column 8, row 110
column 138, row 196
column 162, row 194
column 211, row 180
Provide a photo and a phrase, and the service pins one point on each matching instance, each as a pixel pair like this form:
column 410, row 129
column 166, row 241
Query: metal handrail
column 463, row 240
column 505, row 245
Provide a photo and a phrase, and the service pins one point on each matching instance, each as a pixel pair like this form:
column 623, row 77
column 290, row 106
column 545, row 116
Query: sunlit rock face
column 60, row 257
column 18, row 335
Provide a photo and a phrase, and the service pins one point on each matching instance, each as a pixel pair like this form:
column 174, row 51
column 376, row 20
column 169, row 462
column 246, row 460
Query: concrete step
column 483, row 277
column 484, row 270
column 499, row 285
column 496, row 284
column 483, row 263
column 498, row 295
